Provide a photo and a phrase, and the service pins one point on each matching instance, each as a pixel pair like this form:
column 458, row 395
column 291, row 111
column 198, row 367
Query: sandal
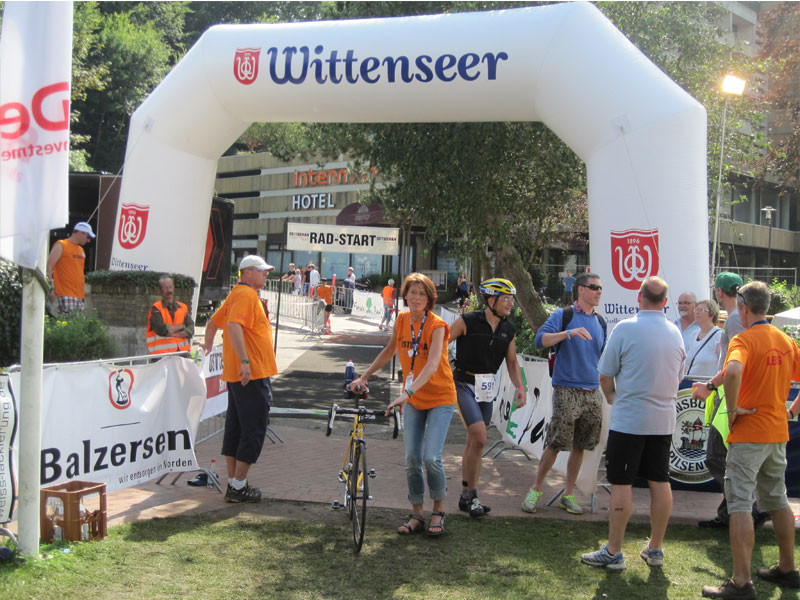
column 410, row 528
column 440, row 525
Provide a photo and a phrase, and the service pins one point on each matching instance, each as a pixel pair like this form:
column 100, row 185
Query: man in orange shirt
column 248, row 361
column 760, row 365
column 325, row 293
column 65, row 268
column 389, row 294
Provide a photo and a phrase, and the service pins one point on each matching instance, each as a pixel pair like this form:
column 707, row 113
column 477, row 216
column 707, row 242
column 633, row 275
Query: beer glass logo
column 120, row 383
column 634, row 256
column 245, row 65
column 132, row 225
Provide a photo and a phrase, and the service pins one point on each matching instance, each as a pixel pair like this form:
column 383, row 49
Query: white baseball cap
column 254, row 261
column 84, row 227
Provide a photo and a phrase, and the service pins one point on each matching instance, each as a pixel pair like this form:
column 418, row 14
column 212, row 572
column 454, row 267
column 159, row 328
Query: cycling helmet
column 497, row 287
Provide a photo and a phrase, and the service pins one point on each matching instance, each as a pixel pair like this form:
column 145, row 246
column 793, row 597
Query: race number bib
column 485, row 387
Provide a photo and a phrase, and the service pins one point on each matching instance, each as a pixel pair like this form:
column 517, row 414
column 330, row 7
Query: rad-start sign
column 116, row 425
column 336, row 238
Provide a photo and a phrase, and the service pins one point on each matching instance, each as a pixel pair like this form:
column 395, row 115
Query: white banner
column 8, row 430
column 339, row 238
column 525, row 427
column 116, row 425
column 216, row 389
column 370, row 305
column 35, row 72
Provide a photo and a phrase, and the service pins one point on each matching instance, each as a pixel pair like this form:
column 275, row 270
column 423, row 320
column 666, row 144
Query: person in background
column 313, row 279
column 297, row 282
column 569, row 282
column 702, row 353
column 484, row 339
column 350, row 284
column 640, row 371
column 427, row 401
column 325, row 293
column 579, row 335
column 306, row 274
column 65, row 269
column 462, row 290
column 760, row 366
column 169, row 325
column 389, row 294
column 686, row 321
column 289, row 275
column 248, row 363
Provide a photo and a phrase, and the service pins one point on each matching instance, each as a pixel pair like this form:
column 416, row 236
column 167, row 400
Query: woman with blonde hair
column 427, row 401
column 702, row 355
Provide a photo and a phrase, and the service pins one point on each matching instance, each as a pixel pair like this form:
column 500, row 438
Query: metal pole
column 30, row 414
column 719, row 192
column 769, row 243
column 278, row 313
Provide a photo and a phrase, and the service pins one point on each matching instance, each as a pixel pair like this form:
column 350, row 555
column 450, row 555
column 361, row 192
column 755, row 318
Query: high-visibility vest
column 388, row 295
column 157, row 344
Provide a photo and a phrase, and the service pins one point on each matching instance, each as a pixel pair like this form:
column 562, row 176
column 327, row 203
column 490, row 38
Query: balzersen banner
column 8, row 431
column 119, row 425
column 338, row 238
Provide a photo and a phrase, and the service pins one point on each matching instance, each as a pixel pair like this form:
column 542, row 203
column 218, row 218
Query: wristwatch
column 711, row 387
column 245, row 361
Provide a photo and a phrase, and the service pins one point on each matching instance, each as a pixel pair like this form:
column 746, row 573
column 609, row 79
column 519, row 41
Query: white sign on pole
column 340, row 238
column 35, row 74
column 216, row 389
column 8, row 430
column 117, row 425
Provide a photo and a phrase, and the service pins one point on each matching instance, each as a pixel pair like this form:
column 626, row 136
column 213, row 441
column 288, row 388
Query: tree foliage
column 779, row 43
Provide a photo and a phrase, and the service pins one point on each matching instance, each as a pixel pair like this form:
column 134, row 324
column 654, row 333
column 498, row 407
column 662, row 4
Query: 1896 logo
column 245, row 65
column 132, row 225
column 634, row 256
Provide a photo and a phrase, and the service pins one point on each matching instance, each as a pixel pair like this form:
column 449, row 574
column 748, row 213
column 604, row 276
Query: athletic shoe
column 476, row 509
column 529, row 504
column 604, row 559
column 715, row 523
column 730, row 590
column 654, row 558
column 247, row 494
column 568, row 504
column 778, row 577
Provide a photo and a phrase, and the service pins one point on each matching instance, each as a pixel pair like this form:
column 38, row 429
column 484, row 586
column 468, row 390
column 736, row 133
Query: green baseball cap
column 728, row 282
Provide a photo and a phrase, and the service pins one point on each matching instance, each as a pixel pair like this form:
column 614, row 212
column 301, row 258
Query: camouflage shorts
column 576, row 421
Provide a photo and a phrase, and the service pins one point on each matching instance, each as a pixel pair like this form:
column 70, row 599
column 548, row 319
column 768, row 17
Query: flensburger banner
column 8, row 432
column 119, row 425
column 311, row 237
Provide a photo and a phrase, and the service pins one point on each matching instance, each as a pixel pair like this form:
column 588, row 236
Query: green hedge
column 76, row 337
column 137, row 278
column 10, row 313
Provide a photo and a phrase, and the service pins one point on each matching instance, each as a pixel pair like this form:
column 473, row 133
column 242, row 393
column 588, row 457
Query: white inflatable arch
column 642, row 137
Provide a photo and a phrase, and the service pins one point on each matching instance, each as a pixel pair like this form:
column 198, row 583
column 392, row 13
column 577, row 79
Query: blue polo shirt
column 576, row 362
column 645, row 356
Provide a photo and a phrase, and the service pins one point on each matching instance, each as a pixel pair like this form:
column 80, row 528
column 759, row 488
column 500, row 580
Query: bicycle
column 354, row 474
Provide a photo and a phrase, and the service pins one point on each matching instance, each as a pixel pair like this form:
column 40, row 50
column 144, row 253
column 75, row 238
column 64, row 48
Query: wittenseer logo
column 292, row 64
column 132, row 225
column 634, row 256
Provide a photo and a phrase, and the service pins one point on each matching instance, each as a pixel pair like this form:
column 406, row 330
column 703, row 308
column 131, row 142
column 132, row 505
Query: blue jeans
column 425, row 432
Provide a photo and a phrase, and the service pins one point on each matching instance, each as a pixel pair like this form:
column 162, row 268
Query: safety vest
column 157, row 344
column 388, row 295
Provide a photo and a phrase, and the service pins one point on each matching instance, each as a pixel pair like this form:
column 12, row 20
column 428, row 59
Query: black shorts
column 247, row 419
column 629, row 456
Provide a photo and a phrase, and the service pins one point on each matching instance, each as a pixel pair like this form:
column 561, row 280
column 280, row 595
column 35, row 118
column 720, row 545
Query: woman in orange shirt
column 428, row 399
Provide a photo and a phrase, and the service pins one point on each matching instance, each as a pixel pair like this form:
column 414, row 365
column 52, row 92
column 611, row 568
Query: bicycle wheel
column 349, row 478
column 359, row 493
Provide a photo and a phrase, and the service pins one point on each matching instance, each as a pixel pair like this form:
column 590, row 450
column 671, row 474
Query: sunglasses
column 742, row 297
column 594, row 287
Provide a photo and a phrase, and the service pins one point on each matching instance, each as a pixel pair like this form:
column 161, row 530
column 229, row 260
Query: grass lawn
column 292, row 550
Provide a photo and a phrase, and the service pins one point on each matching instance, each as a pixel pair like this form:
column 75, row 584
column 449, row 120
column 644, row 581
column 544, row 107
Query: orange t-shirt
column 325, row 292
column 243, row 306
column 440, row 389
column 68, row 272
column 388, row 295
column 771, row 360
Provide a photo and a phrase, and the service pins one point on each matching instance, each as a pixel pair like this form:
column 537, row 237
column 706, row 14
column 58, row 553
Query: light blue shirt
column 645, row 356
column 576, row 362
column 689, row 334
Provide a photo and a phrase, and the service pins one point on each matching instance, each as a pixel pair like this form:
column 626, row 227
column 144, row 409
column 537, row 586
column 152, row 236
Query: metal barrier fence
column 306, row 311
column 765, row 274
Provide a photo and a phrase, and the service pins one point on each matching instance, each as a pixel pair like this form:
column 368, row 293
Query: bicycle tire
column 349, row 477
column 359, row 494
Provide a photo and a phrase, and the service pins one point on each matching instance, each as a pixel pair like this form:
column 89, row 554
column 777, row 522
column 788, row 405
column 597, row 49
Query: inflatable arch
column 642, row 137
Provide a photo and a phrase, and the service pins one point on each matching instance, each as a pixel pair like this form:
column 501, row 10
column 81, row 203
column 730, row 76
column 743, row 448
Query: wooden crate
column 71, row 495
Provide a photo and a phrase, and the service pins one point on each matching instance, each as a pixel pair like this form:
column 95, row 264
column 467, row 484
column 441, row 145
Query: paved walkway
column 304, row 467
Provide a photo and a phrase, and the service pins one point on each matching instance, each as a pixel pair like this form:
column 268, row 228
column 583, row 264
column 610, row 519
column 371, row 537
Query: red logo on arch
column 245, row 65
column 132, row 225
column 634, row 256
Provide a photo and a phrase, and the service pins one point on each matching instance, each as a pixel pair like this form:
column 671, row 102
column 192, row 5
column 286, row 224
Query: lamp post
column 768, row 212
column 731, row 86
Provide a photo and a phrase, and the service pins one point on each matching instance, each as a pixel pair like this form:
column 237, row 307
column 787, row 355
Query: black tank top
column 481, row 350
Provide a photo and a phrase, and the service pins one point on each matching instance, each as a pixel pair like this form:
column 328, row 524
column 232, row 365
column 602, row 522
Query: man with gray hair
column 686, row 323
column 761, row 363
column 640, row 370
column 389, row 294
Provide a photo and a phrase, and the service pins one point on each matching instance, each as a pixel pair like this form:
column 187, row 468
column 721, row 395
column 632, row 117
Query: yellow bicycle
column 354, row 474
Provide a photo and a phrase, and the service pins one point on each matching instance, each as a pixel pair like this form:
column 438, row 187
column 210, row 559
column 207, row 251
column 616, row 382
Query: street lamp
column 768, row 212
column 731, row 86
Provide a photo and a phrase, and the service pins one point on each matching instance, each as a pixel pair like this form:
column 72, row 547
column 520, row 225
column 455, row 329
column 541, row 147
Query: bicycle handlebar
column 362, row 412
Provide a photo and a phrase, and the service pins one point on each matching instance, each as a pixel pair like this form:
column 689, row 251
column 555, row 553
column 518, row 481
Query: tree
column 779, row 43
